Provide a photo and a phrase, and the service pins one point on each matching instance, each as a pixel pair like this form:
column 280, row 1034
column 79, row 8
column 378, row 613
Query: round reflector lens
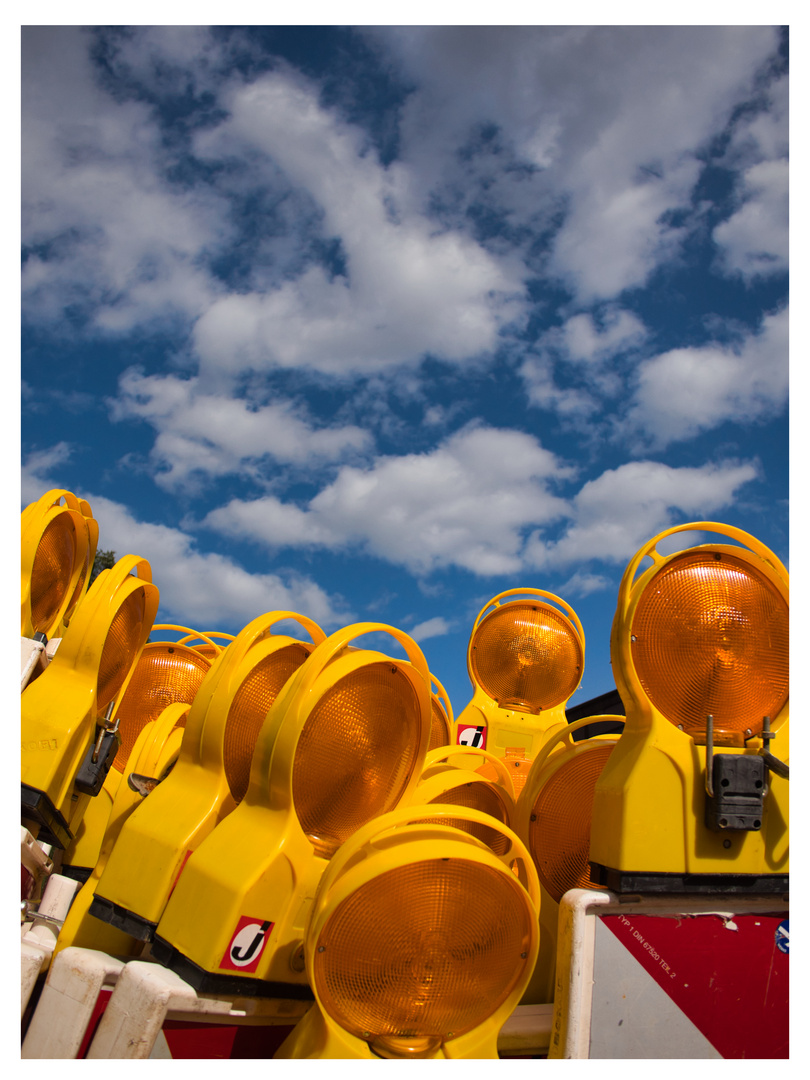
column 439, row 725
column 77, row 592
column 527, row 656
column 560, row 825
column 710, row 637
column 425, row 951
column 50, row 574
column 164, row 674
column 478, row 795
column 249, row 707
column 120, row 647
column 356, row 753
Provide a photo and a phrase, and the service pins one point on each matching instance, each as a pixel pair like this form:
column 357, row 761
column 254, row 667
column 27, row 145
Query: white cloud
column 435, row 627
column 582, row 339
column 200, row 433
column 470, row 502
column 615, row 236
column 409, row 289
column 466, row 504
column 624, row 507
column 592, row 341
column 685, row 391
column 204, row 590
column 107, row 233
column 611, row 117
column 537, row 373
column 38, row 464
column 583, row 584
column 754, row 240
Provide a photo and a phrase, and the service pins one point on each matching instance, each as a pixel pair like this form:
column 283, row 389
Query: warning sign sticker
column 470, row 735
column 246, row 945
column 783, row 936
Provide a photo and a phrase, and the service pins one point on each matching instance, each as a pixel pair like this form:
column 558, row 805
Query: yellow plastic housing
column 221, row 729
column 525, row 658
column 700, row 632
column 166, row 672
column 441, row 726
column 343, row 743
column 553, row 817
column 90, row 670
column 153, row 754
column 58, row 545
column 404, row 959
column 455, row 785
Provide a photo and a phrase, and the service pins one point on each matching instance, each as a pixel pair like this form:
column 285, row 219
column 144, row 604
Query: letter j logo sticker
column 247, row 942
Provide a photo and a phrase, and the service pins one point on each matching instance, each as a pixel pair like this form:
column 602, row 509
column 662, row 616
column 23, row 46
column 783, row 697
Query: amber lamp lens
column 249, row 707
column 50, row 574
column 356, row 752
column 439, row 726
column 527, row 656
column 710, row 637
column 164, row 674
column 120, row 647
column 478, row 795
column 77, row 592
column 560, row 826
column 423, row 952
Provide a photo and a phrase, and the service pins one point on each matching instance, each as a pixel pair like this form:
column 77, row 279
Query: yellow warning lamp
column 695, row 796
column 210, row 777
column 68, row 743
column 344, row 742
column 553, row 818
column 58, row 546
column 151, row 759
column 166, row 672
column 420, row 943
column 460, row 783
column 525, row 659
column 441, row 724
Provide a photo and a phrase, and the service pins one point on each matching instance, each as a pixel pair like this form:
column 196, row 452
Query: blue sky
column 375, row 323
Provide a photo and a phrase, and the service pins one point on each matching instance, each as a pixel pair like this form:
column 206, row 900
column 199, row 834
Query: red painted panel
column 98, row 1011
column 732, row 984
column 187, row 1039
column 28, row 883
column 190, row 1040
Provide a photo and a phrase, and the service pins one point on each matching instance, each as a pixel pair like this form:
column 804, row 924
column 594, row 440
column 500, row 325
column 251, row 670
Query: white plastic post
column 143, row 995
column 32, row 960
column 571, row 1027
column 34, row 654
column 68, row 998
column 39, row 941
column 527, row 1031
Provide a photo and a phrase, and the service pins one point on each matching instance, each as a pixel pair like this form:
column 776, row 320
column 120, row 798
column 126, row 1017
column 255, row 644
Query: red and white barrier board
column 674, row 977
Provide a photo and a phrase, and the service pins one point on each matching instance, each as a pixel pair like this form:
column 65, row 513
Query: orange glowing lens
column 249, row 707
column 478, row 795
column 560, row 826
column 120, row 647
column 527, row 656
column 165, row 673
column 439, row 726
column 50, row 574
column 356, row 753
column 422, row 953
column 77, row 592
column 710, row 637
